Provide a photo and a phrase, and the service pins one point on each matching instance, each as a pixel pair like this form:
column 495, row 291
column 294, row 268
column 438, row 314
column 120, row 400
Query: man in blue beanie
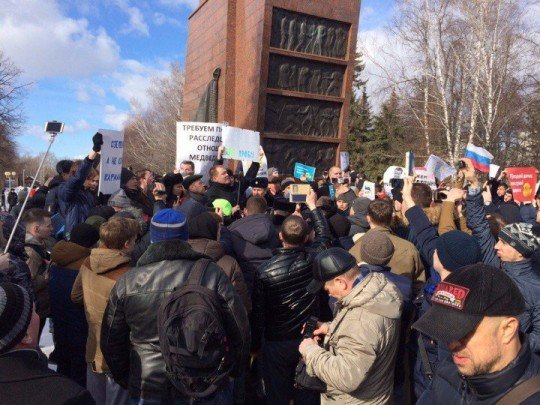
column 130, row 324
column 444, row 254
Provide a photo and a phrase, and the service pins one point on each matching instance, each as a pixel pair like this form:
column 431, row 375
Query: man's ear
column 509, row 328
column 281, row 236
column 368, row 219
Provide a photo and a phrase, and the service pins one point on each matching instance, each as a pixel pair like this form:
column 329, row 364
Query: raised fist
column 97, row 139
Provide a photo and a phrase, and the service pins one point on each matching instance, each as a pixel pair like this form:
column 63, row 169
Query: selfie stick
column 53, row 135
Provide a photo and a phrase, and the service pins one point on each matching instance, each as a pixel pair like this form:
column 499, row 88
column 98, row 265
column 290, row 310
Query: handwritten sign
column 240, row 144
column 198, row 142
column 423, row 176
column 110, row 165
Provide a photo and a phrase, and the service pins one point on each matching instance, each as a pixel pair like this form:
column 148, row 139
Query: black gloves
column 98, row 141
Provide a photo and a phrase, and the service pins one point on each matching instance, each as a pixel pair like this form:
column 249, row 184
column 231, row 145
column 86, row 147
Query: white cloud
column 80, row 125
column 114, row 117
column 136, row 24
column 134, row 79
column 161, row 19
column 45, row 43
column 192, row 4
column 87, row 92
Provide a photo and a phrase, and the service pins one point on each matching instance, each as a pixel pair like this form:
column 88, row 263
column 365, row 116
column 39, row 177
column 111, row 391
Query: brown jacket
column 359, row 352
column 230, row 266
column 69, row 255
column 406, row 260
column 447, row 220
column 93, row 285
column 39, row 271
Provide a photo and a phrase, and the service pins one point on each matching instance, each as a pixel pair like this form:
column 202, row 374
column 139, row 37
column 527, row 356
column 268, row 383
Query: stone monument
column 286, row 71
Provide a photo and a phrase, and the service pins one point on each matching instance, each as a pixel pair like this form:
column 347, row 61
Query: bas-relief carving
column 302, row 33
column 289, row 115
column 288, row 73
column 288, row 152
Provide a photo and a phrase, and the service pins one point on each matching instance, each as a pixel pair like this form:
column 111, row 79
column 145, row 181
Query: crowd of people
column 177, row 291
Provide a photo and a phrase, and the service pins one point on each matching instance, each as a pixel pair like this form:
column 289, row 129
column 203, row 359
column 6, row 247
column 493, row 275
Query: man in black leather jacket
column 129, row 335
column 475, row 312
column 282, row 305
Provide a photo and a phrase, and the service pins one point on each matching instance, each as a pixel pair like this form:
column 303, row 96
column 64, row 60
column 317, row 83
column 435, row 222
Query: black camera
column 461, row 165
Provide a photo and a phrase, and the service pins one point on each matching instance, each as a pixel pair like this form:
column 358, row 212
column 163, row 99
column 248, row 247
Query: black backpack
column 193, row 339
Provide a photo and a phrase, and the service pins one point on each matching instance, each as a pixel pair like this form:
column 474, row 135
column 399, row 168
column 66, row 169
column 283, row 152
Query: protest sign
column 110, row 164
column 393, row 172
column 439, row 168
column 301, row 170
column 523, row 182
column 344, row 160
column 263, row 164
column 368, row 190
column 198, row 142
column 240, row 144
column 493, row 170
column 423, row 176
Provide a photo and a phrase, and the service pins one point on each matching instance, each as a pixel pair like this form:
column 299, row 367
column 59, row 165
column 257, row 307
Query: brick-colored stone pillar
column 287, row 71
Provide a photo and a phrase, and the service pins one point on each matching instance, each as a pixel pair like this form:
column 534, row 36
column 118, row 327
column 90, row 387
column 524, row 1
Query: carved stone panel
column 303, row 33
column 287, row 73
column 288, row 152
column 290, row 115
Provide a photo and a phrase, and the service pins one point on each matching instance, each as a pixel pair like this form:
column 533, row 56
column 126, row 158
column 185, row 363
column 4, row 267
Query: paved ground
column 46, row 343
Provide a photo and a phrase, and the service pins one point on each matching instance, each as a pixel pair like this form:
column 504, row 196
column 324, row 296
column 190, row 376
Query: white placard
column 241, row 144
column 110, row 164
column 439, row 168
column 198, row 142
column 368, row 190
column 393, row 172
column 423, row 176
column 344, row 160
column 493, row 170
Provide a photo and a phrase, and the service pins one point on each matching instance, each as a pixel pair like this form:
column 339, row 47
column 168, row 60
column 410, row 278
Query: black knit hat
column 103, row 211
column 170, row 179
column 465, row 297
column 203, row 226
column 376, row 248
column 84, row 235
column 64, row 166
column 126, row 176
column 15, row 315
column 329, row 264
column 259, row 182
column 339, row 225
column 521, row 237
column 456, row 249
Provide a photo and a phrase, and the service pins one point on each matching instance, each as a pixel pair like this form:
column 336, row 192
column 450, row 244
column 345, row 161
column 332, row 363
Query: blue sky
column 86, row 59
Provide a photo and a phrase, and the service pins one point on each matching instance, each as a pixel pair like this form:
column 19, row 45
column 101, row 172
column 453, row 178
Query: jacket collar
column 220, row 186
column 518, row 268
column 487, row 386
column 174, row 249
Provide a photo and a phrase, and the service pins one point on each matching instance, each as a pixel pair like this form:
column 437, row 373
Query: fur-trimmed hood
column 174, row 249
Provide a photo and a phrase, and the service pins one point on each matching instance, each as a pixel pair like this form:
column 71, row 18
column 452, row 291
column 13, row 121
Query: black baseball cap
column 465, row 297
column 188, row 180
column 328, row 264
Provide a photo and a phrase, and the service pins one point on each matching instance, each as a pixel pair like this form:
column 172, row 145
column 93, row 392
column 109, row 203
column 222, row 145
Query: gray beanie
column 377, row 248
column 119, row 199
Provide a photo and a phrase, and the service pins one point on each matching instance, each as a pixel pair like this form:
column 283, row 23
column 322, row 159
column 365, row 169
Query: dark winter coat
column 254, row 238
column 140, row 200
column 449, row 387
column 70, row 327
column 232, row 193
column 194, row 205
column 26, row 379
column 73, row 200
column 51, row 200
column 13, row 267
column 522, row 273
column 129, row 335
column 528, row 213
column 281, row 303
column 12, row 199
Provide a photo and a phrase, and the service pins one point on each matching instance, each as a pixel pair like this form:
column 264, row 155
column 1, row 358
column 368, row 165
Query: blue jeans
column 223, row 397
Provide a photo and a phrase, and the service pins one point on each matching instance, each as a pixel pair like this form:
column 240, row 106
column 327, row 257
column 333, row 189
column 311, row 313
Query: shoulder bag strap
column 197, row 271
column 426, row 366
column 521, row 392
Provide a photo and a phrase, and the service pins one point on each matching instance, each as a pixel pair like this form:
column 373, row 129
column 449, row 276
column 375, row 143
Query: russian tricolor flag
column 480, row 157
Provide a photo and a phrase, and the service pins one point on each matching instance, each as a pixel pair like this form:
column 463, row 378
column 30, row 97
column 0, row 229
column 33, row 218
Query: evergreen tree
column 383, row 146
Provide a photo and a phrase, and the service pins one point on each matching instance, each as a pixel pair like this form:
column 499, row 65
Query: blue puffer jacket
column 522, row 273
column 73, row 200
column 449, row 387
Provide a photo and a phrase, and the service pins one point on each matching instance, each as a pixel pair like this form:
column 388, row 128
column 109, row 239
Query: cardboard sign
column 198, row 142
column 369, row 190
column 423, row 176
column 299, row 193
column 344, row 160
column 110, row 164
column 439, row 168
column 493, row 170
column 301, row 170
column 523, row 182
column 240, row 144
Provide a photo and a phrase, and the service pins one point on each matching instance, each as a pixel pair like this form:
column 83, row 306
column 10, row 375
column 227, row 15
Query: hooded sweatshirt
column 359, row 352
column 98, row 275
